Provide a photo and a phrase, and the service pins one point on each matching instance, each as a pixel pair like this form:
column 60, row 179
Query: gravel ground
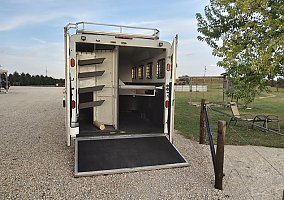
column 36, row 164
column 254, row 172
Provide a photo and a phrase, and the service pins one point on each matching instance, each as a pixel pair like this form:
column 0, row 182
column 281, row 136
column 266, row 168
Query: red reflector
column 72, row 62
column 73, row 104
column 168, row 67
column 167, row 103
column 123, row 37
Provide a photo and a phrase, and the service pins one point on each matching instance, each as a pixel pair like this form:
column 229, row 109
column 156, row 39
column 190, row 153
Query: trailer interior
column 140, row 99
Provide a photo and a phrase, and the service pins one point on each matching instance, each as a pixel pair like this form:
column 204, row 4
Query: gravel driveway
column 36, row 164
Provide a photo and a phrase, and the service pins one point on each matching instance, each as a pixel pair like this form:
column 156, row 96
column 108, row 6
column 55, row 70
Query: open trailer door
column 172, row 87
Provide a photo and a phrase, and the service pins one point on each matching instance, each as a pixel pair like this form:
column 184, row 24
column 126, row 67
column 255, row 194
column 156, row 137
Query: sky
column 31, row 31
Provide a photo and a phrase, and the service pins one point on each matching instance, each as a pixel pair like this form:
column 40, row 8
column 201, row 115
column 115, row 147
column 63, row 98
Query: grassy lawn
column 272, row 103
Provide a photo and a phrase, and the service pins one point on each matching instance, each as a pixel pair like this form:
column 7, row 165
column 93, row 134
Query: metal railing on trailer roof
column 80, row 27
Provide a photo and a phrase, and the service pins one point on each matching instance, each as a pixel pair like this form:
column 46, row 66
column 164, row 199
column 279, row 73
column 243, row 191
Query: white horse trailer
column 119, row 98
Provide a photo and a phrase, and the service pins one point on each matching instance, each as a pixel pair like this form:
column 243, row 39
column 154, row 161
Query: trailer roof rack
column 80, row 27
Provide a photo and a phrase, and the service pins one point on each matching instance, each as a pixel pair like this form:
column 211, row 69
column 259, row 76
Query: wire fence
column 248, row 122
column 235, row 174
column 236, row 132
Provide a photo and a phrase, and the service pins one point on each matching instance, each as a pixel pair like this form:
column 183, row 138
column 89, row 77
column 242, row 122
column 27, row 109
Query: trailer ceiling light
column 72, row 62
column 83, row 37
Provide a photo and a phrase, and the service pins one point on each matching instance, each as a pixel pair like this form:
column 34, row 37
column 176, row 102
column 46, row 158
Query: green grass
column 187, row 118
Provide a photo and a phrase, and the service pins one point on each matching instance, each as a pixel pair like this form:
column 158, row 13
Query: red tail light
column 73, row 104
column 123, row 37
column 168, row 67
column 167, row 103
column 72, row 62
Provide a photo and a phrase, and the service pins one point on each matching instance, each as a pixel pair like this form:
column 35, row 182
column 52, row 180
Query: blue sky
column 31, row 31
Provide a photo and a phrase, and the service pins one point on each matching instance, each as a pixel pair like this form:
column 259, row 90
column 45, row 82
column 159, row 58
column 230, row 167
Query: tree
column 184, row 80
column 11, row 78
column 23, row 80
column 249, row 37
column 16, row 77
column 28, row 79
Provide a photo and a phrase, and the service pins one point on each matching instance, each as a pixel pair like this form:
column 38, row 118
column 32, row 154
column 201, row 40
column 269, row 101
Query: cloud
column 39, row 40
column 143, row 23
column 22, row 20
column 26, row 20
column 27, row 1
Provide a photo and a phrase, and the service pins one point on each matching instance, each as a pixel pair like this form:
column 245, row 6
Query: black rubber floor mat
column 107, row 155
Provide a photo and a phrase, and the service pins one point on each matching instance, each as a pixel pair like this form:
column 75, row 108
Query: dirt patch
column 268, row 96
column 254, row 172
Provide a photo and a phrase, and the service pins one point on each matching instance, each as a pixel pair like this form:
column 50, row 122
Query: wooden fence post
column 220, row 155
column 202, row 129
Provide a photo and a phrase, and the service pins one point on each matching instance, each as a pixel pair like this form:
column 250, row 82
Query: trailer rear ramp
column 125, row 153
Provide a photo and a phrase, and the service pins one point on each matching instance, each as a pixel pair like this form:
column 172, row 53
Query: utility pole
column 203, row 81
column 46, row 71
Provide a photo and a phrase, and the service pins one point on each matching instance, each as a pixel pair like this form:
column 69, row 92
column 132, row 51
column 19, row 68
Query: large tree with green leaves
column 249, row 37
